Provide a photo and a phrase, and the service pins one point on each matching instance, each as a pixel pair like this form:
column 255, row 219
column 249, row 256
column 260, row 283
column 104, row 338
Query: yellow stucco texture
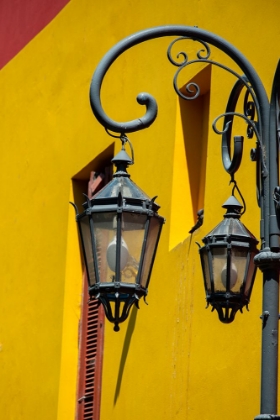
column 172, row 359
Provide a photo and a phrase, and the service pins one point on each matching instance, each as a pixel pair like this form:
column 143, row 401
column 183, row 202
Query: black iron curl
column 227, row 124
column 231, row 165
column 192, row 88
column 201, row 54
column 249, row 109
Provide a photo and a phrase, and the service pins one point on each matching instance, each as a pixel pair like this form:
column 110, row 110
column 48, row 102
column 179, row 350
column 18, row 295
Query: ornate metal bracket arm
column 192, row 33
column 249, row 110
column 255, row 102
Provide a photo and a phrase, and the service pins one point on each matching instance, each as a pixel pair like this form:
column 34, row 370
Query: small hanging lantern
column 119, row 229
column 227, row 261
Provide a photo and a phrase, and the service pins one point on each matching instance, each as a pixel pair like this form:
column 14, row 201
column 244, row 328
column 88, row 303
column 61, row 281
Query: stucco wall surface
column 172, row 359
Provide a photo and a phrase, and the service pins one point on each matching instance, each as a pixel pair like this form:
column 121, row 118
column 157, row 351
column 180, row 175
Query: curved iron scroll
column 146, row 99
column 248, row 79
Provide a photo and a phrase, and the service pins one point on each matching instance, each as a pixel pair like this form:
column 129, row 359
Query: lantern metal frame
column 262, row 118
column 230, row 235
column 117, row 296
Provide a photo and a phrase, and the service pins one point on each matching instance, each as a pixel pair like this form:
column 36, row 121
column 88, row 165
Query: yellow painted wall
column 172, row 359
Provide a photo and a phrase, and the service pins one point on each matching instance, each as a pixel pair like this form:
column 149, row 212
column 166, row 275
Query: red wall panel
column 22, row 20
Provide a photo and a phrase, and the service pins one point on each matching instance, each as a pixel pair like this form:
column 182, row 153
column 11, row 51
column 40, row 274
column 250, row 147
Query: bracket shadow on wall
column 189, row 162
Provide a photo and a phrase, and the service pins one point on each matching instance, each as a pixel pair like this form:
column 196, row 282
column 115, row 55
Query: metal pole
column 269, row 262
column 270, row 319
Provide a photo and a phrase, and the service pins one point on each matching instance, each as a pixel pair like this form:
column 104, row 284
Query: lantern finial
column 233, row 207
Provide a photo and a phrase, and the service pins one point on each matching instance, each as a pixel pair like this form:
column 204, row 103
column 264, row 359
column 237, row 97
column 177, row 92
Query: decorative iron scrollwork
column 256, row 108
column 192, row 88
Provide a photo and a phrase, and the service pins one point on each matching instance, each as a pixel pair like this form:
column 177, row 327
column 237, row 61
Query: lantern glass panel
column 88, row 251
column 133, row 230
column 219, row 268
column 250, row 275
column 238, row 269
column 105, row 238
column 206, row 271
column 151, row 243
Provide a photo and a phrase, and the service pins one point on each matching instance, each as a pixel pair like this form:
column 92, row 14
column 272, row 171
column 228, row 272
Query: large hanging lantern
column 228, row 263
column 119, row 231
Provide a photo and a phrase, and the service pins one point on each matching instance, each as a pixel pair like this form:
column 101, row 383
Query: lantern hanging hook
column 235, row 187
column 124, row 139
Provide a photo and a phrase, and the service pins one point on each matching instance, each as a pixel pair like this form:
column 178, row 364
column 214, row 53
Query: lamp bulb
column 112, row 254
column 233, row 275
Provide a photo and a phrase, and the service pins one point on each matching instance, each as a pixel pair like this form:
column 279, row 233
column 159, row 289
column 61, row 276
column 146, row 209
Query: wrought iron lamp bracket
column 256, row 113
column 255, row 98
column 263, row 120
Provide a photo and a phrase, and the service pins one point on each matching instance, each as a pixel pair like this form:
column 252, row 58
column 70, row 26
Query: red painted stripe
column 22, row 20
